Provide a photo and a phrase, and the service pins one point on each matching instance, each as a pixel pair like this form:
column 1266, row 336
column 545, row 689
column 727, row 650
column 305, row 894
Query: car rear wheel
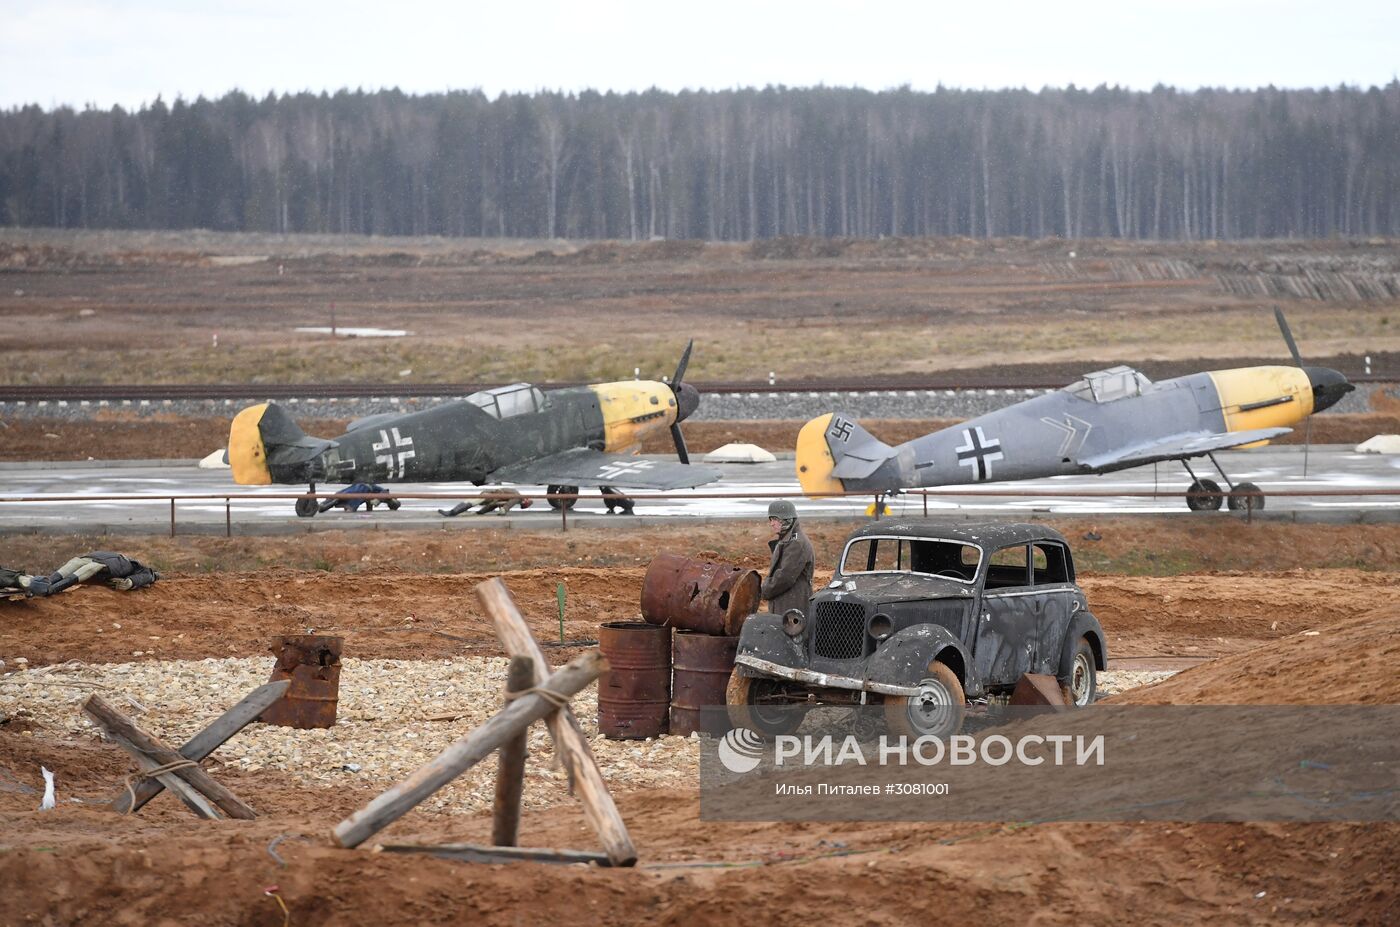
column 755, row 703
column 1080, row 690
column 937, row 711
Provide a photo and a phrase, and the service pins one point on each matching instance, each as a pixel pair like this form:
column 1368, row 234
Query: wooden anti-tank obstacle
column 533, row 692
column 179, row 770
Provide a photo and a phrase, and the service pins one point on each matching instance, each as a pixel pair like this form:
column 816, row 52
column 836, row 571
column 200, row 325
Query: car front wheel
column 755, row 703
column 1080, row 689
column 937, row 711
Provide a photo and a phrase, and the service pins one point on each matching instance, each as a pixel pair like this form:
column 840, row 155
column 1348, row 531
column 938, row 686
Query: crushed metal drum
column 699, row 595
column 634, row 695
column 702, row 664
column 1038, row 689
column 312, row 663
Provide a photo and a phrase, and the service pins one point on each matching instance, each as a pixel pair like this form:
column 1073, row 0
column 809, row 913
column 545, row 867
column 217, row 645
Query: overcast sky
column 129, row 51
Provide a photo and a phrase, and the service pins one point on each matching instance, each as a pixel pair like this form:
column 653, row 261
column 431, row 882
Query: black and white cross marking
column 978, row 452
column 612, row 471
column 393, row 452
column 840, row 429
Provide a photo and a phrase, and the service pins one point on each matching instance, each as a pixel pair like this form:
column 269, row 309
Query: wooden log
column 168, row 780
column 471, row 853
column 510, row 763
column 570, row 743
column 208, row 740
column 467, row 751
column 117, row 723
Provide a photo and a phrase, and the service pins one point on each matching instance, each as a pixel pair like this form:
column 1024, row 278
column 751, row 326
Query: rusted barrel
column 702, row 663
column 312, row 663
column 634, row 695
column 698, row 595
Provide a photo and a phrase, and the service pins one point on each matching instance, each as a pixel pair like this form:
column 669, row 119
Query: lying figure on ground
column 351, row 505
column 499, row 501
column 119, row 572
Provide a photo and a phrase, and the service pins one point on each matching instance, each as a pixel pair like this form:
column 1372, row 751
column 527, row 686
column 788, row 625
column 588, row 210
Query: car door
column 1009, row 626
column 1054, row 587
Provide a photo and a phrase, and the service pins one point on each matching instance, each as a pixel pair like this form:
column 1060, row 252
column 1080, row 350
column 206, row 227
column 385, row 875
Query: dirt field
column 145, row 308
column 1311, row 621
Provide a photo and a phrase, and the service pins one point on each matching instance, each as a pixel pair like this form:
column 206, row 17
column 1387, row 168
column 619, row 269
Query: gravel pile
column 382, row 725
column 384, row 728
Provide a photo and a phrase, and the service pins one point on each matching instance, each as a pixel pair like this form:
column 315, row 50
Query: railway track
column 256, row 391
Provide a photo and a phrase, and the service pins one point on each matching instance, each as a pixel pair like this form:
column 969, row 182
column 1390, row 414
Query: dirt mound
column 1348, row 662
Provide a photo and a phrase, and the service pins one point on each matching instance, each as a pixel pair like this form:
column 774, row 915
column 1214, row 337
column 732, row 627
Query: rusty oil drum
column 702, row 664
column 634, row 695
column 312, row 663
column 699, row 595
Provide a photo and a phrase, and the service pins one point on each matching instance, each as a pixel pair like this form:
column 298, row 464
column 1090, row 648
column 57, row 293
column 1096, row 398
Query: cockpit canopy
column 509, row 401
column 1108, row 385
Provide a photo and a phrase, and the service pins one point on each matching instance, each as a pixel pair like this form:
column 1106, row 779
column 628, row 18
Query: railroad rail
column 259, row 391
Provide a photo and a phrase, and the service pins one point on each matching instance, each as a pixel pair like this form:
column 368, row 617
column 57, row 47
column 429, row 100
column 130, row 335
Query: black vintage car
column 920, row 617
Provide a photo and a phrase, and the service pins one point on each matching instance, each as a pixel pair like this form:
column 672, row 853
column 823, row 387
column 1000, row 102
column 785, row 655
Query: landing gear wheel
column 558, row 504
column 937, row 711
column 307, row 507
column 1241, row 498
column 1082, row 687
column 1204, row 496
column 753, row 704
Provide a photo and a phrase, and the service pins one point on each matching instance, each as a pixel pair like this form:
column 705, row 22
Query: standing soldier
column 789, row 581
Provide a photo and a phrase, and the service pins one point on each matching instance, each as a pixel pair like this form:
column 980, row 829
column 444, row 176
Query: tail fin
column 266, row 446
column 835, row 454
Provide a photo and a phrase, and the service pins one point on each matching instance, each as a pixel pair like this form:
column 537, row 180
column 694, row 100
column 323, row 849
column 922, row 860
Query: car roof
column 990, row 535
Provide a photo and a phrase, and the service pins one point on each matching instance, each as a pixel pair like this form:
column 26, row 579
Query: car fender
column 904, row 657
column 762, row 637
column 1083, row 625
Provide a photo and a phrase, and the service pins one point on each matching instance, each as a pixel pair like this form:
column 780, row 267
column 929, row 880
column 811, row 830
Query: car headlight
column 881, row 626
column 794, row 622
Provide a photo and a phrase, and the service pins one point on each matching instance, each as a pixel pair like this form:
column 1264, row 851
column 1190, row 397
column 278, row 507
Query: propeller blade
column 679, row 438
column 685, row 360
column 1288, row 336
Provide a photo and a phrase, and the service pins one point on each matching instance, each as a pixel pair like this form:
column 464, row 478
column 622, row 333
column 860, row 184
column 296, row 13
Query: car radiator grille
column 840, row 630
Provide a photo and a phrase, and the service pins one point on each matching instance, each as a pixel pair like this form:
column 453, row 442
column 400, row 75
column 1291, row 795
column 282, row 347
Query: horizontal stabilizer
column 1177, row 447
column 585, row 467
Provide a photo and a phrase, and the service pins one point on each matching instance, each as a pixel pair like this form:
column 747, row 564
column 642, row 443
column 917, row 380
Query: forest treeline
column 733, row 165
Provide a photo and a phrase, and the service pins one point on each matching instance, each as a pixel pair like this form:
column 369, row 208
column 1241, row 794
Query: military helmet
column 782, row 509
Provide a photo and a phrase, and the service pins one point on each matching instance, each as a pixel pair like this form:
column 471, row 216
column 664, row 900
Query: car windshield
column 926, row 556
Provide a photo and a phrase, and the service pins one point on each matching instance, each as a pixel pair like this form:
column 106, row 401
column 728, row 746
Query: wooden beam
column 467, row 751
column 117, row 723
column 569, row 741
column 471, row 853
column 510, row 763
column 208, row 740
column 168, row 780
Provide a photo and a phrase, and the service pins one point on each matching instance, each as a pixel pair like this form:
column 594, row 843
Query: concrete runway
column 1273, row 469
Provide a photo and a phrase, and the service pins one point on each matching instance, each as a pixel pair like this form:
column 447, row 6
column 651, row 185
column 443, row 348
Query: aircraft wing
column 584, row 467
column 1177, row 447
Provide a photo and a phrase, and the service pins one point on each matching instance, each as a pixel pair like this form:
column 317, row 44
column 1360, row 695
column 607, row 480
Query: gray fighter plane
column 562, row 439
column 1110, row 420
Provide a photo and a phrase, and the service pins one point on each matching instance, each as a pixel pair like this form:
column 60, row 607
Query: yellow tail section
column 246, row 454
column 814, row 460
